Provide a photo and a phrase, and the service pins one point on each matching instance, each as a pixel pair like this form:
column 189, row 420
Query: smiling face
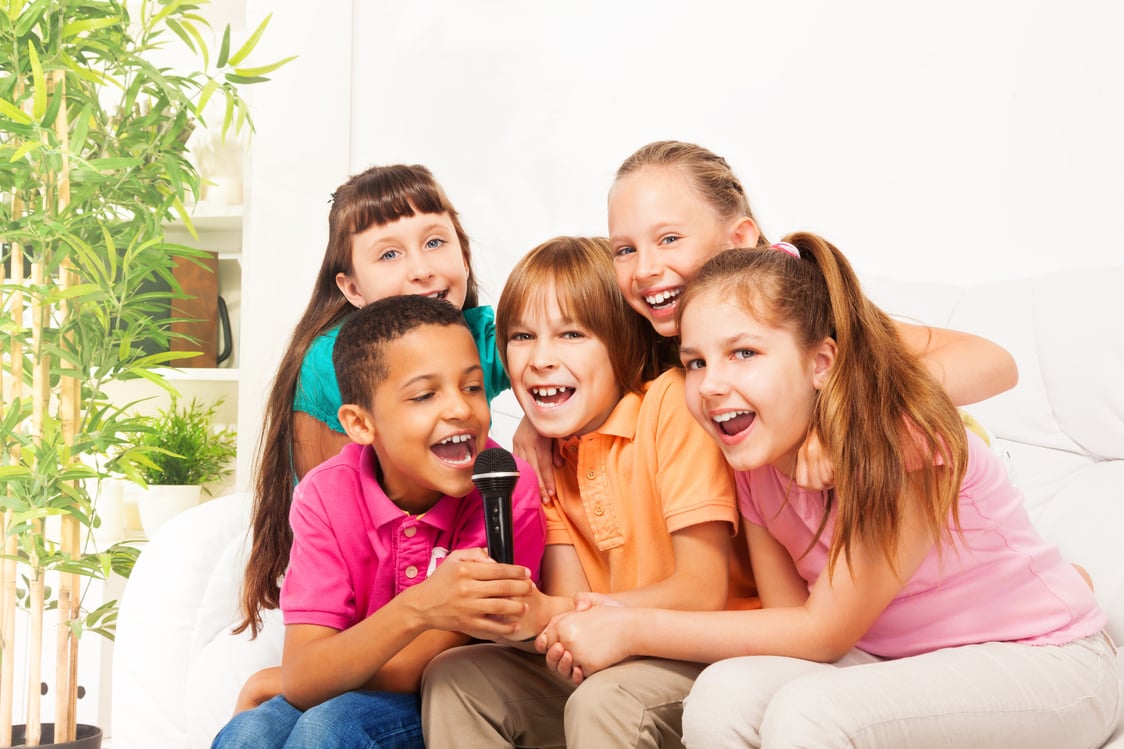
column 429, row 418
column 661, row 231
column 560, row 372
column 750, row 384
column 417, row 254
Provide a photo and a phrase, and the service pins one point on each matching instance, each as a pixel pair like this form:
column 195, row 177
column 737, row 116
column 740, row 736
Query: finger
column 577, row 676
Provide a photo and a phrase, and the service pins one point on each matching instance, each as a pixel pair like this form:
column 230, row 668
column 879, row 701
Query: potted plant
column 182, row 453
column 93, row 162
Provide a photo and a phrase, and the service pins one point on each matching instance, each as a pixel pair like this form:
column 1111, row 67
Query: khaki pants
column 994, row 695
column 496, row 696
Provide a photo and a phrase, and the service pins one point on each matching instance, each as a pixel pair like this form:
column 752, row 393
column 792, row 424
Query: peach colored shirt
column 649, row 471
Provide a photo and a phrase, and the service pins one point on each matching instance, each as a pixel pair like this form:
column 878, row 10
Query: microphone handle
column 497, row 519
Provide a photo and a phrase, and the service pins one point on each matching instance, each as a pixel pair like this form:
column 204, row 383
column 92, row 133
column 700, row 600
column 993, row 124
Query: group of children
column 696, row 399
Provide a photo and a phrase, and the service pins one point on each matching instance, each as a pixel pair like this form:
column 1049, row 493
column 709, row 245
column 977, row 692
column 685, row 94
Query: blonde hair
column 578, row 271
column 888, row 426
column 707, row 172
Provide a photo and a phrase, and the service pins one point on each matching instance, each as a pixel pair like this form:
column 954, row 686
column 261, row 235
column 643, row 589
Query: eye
column 474, row 387
column 520, row 336
column 744, row 354
column 434, row 243
column 670, row 239
column 390, row 254
column 690, row 364
column 572, row 335
column 422, row 398
column 623, row 251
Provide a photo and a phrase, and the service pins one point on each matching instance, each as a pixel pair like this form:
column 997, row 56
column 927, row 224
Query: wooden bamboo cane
column 40, row 400
column 70, row 390
column 13, row 390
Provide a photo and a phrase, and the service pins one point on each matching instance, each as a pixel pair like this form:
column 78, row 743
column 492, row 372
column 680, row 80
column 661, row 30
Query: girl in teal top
column 391, row 231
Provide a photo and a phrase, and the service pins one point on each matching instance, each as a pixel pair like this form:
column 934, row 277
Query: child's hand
column 471, row 593
column 541, row 452
column 586, row 641
column 814, row 469
column 261, row 686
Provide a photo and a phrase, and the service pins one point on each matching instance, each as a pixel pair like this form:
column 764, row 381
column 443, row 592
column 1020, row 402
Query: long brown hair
column 888, row 426
column 707, row 172
column 579, row 272
column 374, row 197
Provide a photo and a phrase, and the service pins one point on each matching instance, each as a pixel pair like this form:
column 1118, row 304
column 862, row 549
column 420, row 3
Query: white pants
column 990, row 695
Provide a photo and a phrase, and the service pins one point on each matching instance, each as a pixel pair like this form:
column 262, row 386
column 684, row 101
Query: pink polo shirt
column 997, row 581
column 354, row 550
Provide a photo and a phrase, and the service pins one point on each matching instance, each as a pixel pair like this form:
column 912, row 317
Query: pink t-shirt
column 354, row 550
column 999, row 581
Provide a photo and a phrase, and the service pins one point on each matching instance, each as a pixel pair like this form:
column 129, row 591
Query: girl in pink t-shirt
column 913, row 604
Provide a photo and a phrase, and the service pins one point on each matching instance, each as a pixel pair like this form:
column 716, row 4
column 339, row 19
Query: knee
column 805, row 713
column 450, row 672
column 715, row 712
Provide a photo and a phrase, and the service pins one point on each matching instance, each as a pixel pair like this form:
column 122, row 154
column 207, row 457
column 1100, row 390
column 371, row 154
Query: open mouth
column 457, row 450
column 438, row 294
column 663, row 300
column 733, row 422
column 550, row 396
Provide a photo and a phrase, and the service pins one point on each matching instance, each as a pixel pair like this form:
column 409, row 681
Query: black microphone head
column 495, row 472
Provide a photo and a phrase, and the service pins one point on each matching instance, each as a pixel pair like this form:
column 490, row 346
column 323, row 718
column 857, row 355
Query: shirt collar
column 384, row 511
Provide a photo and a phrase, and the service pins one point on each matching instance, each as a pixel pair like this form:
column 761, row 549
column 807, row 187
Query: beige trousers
column 496, row 696
column 995, row 695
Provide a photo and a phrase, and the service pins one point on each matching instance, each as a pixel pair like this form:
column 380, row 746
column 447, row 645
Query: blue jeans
column 354, row 720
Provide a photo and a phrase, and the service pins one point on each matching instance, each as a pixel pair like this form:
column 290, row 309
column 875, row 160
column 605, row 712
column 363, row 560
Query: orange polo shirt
column 650, row 470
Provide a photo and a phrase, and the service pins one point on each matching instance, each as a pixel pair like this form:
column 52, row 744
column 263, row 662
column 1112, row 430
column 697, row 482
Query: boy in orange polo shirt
column 644, row 513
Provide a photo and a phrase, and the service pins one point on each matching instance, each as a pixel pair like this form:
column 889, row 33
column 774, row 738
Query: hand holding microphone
column 495, row 474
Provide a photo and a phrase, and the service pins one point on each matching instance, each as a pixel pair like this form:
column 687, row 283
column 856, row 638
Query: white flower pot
column 161, row 502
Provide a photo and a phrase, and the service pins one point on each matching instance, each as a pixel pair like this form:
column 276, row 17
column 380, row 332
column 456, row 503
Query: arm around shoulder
column 969, row 367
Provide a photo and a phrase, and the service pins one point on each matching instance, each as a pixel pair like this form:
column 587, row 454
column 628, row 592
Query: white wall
column 960, row 141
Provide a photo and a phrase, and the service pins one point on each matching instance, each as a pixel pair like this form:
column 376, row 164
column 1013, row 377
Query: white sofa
column 177, row 668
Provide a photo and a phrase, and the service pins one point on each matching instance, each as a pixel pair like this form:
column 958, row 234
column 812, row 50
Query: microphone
column 494, row 474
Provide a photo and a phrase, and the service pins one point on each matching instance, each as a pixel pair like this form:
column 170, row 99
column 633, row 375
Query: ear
column 350, row 290
column 744, row 232
column 823, row 359
column 358, row 423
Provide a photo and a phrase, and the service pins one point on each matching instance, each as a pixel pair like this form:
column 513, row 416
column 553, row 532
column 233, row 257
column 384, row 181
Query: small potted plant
column 181, row 453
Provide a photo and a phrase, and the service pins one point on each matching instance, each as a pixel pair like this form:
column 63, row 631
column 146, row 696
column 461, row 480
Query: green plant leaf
column 26, row 148
column 15, row 113
column 38, row 84
column 235, row 78
column 224, row 48
column 263, row 69
column 74, row 28
column 248, row 46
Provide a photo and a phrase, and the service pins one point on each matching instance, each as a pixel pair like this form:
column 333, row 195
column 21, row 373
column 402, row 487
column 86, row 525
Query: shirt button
column 409, row 531
column 598, row 510
column 411, row 572
column 591, row 475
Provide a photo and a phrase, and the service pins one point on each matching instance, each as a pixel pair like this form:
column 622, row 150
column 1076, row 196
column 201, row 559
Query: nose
column 542, row 355
column 647, row 264
column 457, row 406
column 712, row 382
column 420, row 268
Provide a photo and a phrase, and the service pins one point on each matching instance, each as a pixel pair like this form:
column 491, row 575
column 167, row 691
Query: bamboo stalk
column 12, row 391
column 40, row 399
column 35, row 656
column 70, row 390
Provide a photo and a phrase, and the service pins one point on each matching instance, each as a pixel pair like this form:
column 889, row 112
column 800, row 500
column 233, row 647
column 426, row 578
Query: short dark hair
column 359, row 357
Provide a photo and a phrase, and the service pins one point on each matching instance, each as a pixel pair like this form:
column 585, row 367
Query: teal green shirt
column 318, row 392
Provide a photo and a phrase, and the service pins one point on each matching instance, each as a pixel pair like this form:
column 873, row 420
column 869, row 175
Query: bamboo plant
column 93, row 163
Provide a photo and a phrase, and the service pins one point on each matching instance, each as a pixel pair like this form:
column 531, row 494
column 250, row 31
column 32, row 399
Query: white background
column 960, row 141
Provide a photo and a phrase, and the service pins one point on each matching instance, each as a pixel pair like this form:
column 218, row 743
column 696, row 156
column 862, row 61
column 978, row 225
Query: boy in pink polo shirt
column 386, row 568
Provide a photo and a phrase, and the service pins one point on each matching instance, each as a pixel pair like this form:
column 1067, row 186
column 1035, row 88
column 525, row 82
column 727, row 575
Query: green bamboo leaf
column 39, row 84
column 14, row 8
column 110, row 164
column 224, row 48
column 263, row 69
column 74, row 28
column 24, row 150
column 168, row 9
column 181, row 32
column 188, row 24
column 13, row 112
column 228, row 116
column 29, row 17
column 205, row 95
column 81, row 129
column 235, row 78
column 250, row 43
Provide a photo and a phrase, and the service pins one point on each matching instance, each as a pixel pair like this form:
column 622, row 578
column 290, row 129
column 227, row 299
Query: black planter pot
column 89, row 737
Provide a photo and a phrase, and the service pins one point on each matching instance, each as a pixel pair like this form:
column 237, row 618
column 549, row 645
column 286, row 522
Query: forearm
column 707, row 637
column 969, row 367
column 316, row 670
column 403, row 672
column 678, row 592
